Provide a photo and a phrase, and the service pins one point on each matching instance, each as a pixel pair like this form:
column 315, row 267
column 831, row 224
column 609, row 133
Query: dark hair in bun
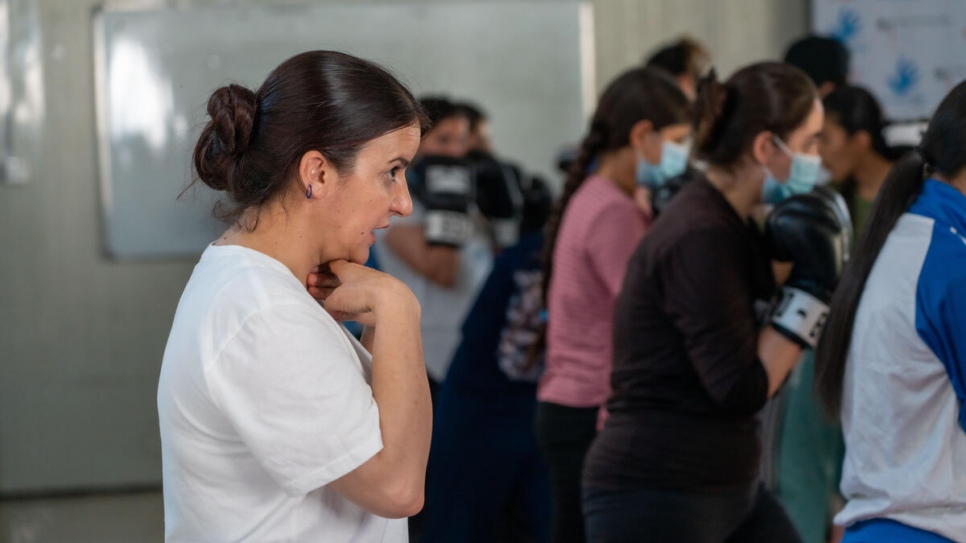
column 326, row 101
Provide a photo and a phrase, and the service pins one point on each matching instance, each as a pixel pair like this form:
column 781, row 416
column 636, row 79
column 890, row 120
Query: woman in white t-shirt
column 276, row 424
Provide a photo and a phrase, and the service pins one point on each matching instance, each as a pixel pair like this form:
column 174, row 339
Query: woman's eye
column 393, row 172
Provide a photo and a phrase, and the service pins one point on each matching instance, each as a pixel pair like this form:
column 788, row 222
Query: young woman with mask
column 276, row 424
column 678, row 459
column 809, row 447
column 591, row 234
column 893, row 360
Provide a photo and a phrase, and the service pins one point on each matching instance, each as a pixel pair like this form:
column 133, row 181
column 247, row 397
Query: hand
column 808, row 231
column 352, row 292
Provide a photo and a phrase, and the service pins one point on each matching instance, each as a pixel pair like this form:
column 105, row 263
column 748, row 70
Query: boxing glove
column 837, row 203
column 444, row 185
column 498, row 197
column 806, row 230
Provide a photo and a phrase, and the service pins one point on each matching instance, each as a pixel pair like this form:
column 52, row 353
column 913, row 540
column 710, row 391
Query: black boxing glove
column 806, row 230
column 445, row 187
column 836, row 202
column 498, row 197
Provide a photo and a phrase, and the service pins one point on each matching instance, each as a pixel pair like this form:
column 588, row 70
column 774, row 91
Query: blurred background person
column 592, row 231
column 824, row 59
column 497, row 181
column 685, row 59
column 489, row 483
column 440, row 251
column 480, row 138
column 854, row 149
column 678, row 459
column 893, row 361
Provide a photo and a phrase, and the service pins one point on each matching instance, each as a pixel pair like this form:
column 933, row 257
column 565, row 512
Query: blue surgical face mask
column 674, row 160
column 802, row 176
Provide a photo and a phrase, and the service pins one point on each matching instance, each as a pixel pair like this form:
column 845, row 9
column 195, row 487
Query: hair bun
column 232, row 112
column 226, row 137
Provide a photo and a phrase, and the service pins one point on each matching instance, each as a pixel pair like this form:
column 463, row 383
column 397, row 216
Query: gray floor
column 121, row 518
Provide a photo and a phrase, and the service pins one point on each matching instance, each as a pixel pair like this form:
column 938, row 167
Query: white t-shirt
column 263, row 400
column 443, row 309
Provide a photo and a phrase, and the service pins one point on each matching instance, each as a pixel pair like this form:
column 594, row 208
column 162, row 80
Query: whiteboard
column 908, row 53
column 529, row 64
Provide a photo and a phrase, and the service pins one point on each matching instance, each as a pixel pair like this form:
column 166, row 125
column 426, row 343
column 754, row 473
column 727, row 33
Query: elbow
column 403, row 501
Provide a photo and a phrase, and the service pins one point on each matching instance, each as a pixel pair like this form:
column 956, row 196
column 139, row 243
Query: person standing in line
column 809, row 447
column 678, row 459
column 595, row 226
column 893, row 361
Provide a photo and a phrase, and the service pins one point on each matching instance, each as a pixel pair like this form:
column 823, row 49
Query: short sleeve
column 296, row 393
column 710, row 301
column 612, row 239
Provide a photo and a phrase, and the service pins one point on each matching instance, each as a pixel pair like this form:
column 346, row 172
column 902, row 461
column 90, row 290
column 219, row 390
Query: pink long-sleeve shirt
column 599, row 231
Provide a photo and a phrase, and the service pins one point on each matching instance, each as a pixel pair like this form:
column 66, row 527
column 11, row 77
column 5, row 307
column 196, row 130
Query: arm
column 708, row 298
column 610, row 243
column 437, row 263
column 391, row 483
column 779, row 355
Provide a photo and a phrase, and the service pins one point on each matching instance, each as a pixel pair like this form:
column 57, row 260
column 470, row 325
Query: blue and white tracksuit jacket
column 903, row 405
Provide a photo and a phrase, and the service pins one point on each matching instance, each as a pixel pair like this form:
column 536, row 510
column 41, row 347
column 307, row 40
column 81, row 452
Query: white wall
column 81, row 337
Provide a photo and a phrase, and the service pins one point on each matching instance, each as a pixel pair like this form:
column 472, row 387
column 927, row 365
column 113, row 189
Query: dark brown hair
column 940, row 151
column 684, row 57
column 768, row 96
column 326, row 101
column 635, row 95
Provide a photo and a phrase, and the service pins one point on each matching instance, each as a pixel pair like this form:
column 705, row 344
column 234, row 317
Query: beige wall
column 81, row 337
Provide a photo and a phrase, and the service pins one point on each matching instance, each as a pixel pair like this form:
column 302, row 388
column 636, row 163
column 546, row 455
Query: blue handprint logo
column 848, row 25
column 905, row 78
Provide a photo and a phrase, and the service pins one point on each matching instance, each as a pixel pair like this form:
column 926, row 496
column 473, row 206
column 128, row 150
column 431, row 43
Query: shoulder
column 942, row 278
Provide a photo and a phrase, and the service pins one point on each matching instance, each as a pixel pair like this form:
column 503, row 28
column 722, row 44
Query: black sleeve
column 708, row 295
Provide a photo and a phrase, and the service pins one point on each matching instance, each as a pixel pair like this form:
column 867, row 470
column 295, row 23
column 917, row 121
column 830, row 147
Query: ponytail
column 768, row 96
column 898, row 192
column 940, row 152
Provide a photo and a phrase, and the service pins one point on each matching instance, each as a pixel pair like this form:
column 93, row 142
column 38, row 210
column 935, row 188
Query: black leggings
column 645, row 516
column 564, row 434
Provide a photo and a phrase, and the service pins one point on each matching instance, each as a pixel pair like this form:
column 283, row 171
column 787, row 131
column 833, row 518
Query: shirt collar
column 942, row 202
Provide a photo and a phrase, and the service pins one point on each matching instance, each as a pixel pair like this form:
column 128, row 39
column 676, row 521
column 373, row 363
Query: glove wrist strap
column 800, row 316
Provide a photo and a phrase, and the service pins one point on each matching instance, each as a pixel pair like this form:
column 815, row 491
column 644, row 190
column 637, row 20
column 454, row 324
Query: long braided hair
column 635, row 95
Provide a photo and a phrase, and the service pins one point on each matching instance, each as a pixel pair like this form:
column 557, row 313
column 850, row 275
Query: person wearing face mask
column 591, row 233
column 695, row 356
column 809, row 448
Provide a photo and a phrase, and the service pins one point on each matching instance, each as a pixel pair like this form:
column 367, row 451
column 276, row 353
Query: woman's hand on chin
column 352, row 292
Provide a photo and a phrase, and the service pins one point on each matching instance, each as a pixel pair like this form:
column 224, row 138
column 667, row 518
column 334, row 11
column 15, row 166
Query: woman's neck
column 278, row 233
column 740, row 186
column 619, row 166
column 870, row 174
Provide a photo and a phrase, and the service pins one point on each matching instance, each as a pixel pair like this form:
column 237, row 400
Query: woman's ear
column 862, row 139
column 641, row 135
column 314, row 174
column 762, row 147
